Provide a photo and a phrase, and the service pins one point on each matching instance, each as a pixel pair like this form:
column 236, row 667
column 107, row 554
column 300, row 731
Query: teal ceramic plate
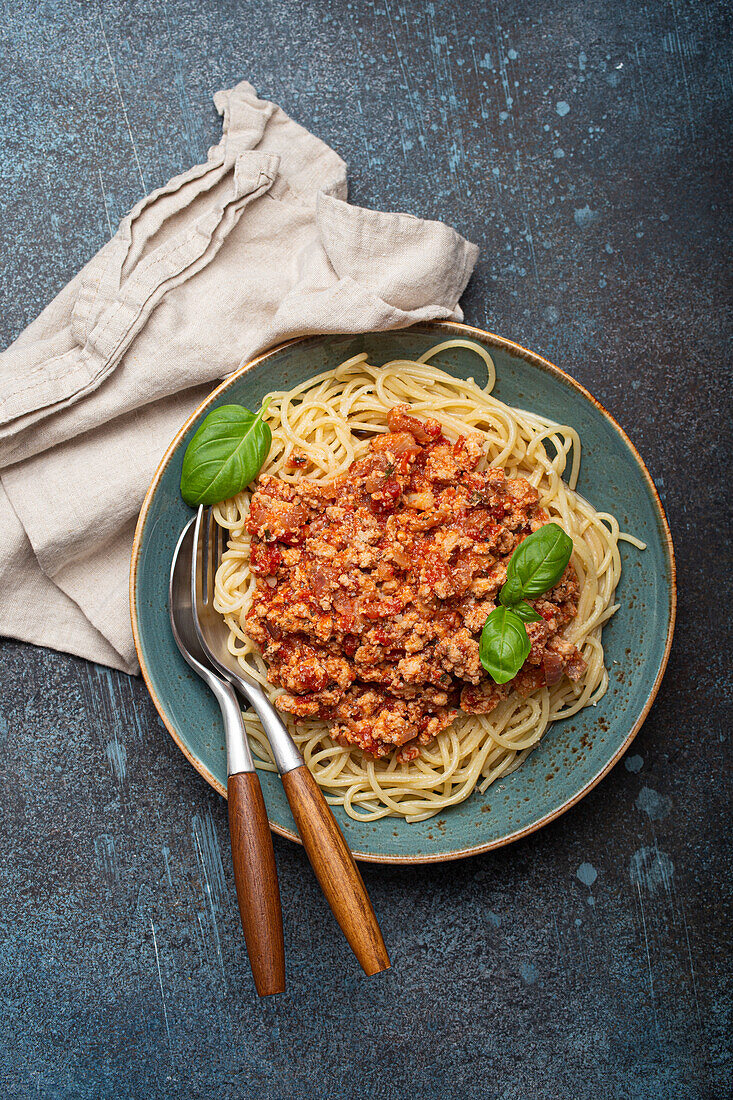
column 574, row 754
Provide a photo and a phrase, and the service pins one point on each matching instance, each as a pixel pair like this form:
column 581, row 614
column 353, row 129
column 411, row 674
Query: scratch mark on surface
column 651, row 868
column 408, row 88
column 503, row 74
column 578, row 925
column 204, row 947
column 122, row 102
column 524, row 206
column 692, row 967
column 117, row 756
column 180, row 88
column 528, row 973
column 104, row 850
column 208, row 892
column 162, row 992
column 648, row 958
column 364, row 138
column 444, row 80
column 109, row 695
column 560, row 948
column 681, row 55
column 652, row 872
column 166, row 859
column 104, row 200
column 479, row 89
column 53, row 217
column 205, row 832
column 640, row 67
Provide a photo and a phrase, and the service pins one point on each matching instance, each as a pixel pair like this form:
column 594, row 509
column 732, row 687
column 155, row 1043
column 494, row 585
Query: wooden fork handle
column 255, row 874
column 335, row 869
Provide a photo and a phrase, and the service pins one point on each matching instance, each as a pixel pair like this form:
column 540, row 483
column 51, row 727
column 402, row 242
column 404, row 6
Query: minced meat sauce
column 372, row 590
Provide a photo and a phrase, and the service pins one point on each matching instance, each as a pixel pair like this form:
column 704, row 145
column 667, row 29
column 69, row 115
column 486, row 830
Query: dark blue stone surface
column 585, row 146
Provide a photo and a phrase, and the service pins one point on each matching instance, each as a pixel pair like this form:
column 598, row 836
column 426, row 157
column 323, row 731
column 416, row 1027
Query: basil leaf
column 504, row 645
column 526, row 612
column 537, row 564
column 225, row 455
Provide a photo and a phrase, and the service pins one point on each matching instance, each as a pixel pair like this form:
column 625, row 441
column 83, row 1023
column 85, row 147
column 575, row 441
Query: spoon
column 253, row 857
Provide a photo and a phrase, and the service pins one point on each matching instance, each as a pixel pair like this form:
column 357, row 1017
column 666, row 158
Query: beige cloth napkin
column 254, row 246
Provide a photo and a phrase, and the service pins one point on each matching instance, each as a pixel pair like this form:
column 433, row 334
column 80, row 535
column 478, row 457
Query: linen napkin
column 253, row 247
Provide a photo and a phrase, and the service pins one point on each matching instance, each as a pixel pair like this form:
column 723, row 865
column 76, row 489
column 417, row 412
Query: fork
column 253, row 858
column 328, row 852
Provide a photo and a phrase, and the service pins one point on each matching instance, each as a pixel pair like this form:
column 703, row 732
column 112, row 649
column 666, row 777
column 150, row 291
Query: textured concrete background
column 583, row 145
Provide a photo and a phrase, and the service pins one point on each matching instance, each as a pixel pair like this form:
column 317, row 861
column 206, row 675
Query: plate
column 575, row 753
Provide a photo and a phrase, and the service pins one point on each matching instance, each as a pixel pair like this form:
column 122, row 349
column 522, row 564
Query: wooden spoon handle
column 335, row 869
column 255, row 874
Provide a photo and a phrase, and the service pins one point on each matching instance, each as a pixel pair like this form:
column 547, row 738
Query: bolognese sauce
column 372, row 589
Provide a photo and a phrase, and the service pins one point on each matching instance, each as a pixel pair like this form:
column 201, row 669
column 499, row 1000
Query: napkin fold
column 253, row 247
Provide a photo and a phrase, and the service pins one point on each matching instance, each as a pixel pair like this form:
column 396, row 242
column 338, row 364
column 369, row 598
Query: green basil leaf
column 504, row 645
column 526, row 612
column 225, row 455
column 537, row 564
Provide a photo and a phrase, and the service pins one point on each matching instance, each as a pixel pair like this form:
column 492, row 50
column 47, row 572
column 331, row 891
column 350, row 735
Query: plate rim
column 461, row 331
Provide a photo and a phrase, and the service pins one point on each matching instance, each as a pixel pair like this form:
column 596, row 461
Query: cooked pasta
column 327, row 422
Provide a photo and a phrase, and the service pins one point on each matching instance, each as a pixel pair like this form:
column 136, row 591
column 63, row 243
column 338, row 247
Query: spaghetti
column 325, row 424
